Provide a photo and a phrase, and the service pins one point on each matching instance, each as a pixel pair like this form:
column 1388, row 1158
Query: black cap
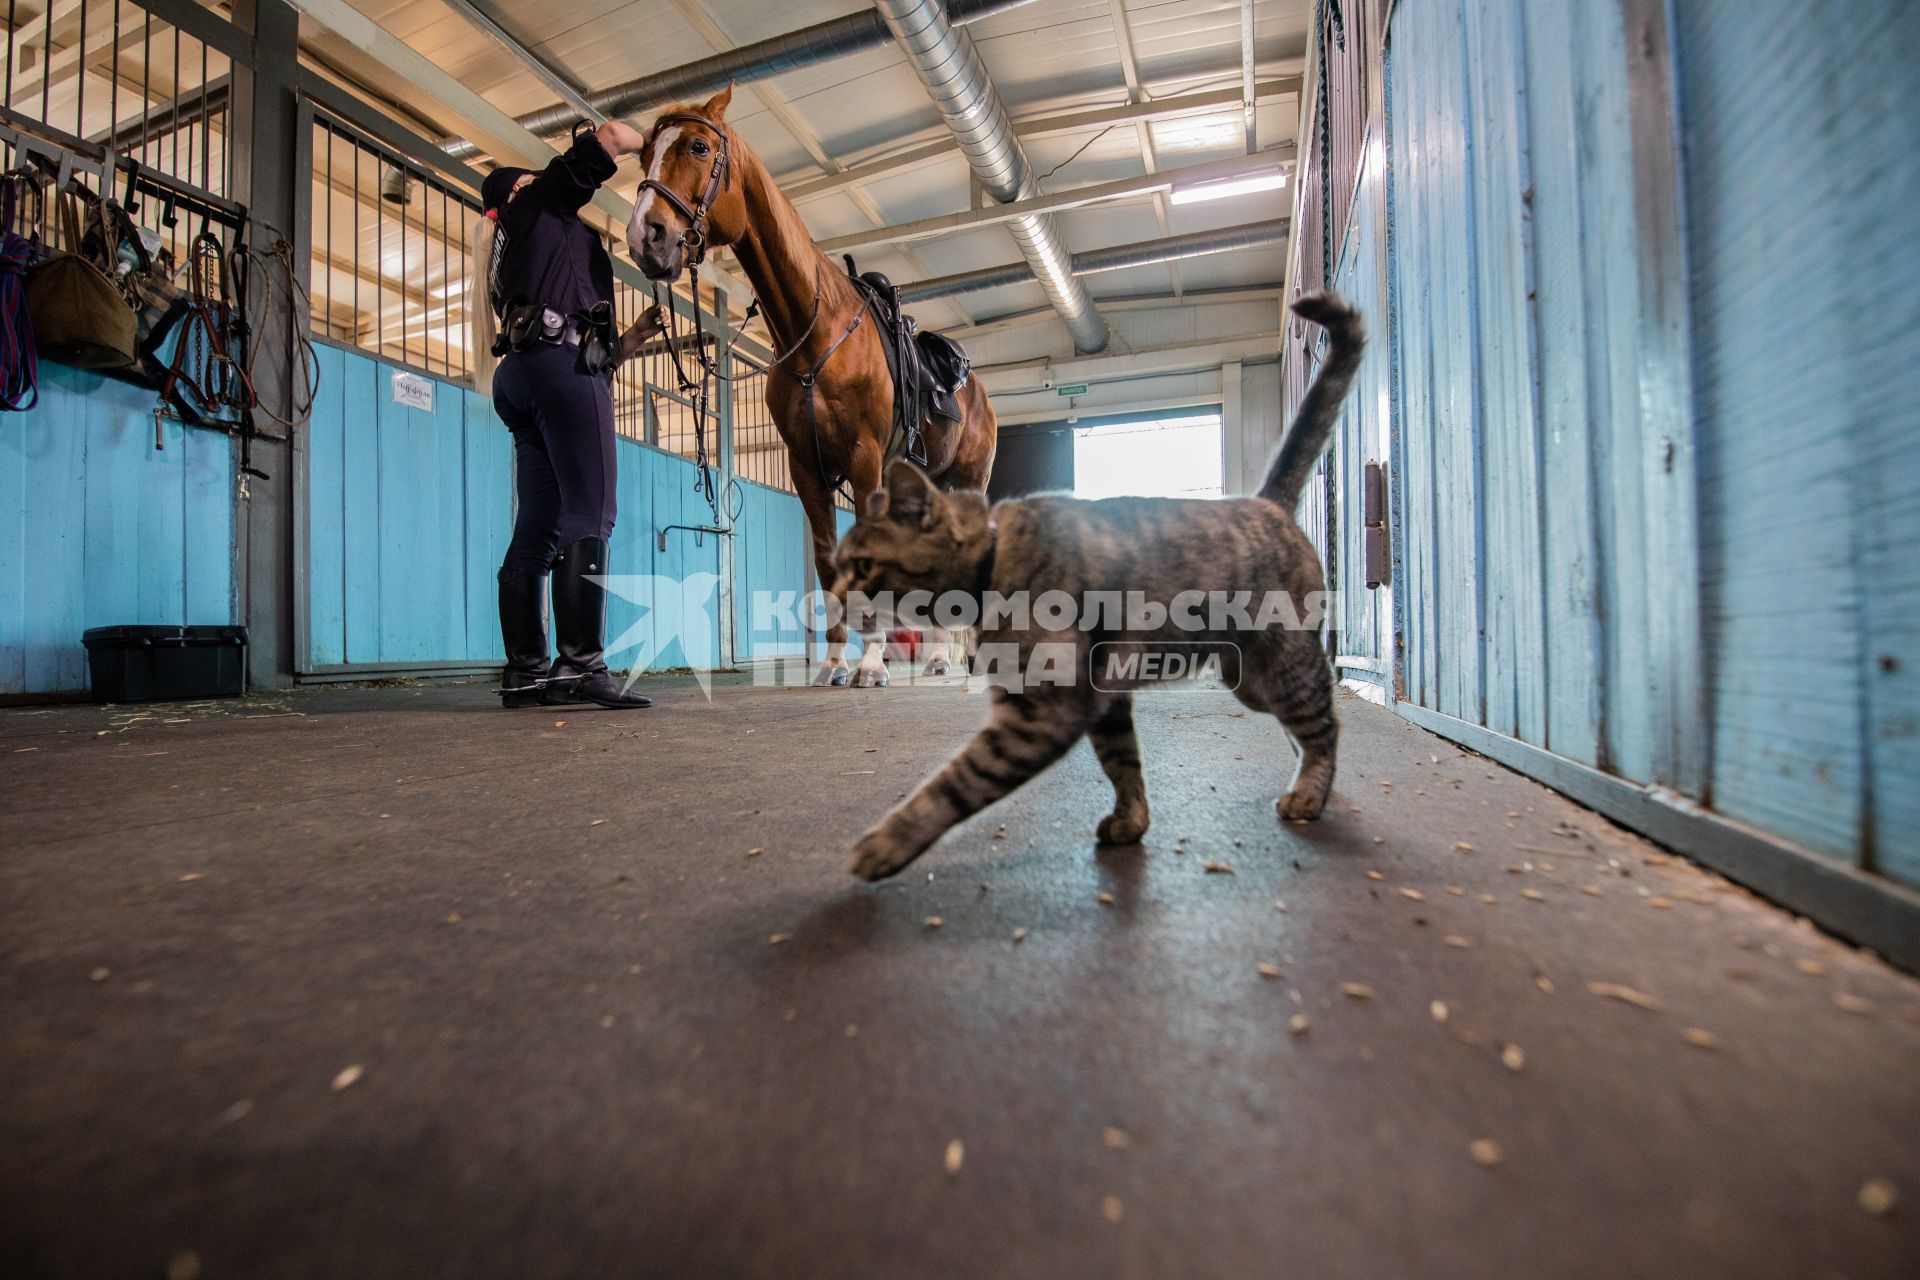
column 497, row 186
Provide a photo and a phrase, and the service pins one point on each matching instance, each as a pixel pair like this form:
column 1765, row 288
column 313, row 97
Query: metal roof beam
column 1097, row 193
column 479, row 14
column 1179, row 357
column 1143, row 131
column 1171, row 108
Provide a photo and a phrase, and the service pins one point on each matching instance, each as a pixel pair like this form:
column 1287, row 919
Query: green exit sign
column 1077, row 389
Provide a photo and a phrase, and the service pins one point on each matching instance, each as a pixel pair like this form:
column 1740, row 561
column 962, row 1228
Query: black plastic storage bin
column 155, row 664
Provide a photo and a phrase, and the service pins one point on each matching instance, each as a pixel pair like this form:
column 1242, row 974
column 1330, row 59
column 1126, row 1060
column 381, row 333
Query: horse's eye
column 698, row 148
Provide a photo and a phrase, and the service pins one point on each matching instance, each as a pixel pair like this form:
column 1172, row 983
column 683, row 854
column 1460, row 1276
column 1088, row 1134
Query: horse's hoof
column 831, row 678
column 937, row 667
column 871, row 678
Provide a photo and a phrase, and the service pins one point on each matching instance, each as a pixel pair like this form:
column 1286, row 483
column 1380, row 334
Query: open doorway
column 1177, row 455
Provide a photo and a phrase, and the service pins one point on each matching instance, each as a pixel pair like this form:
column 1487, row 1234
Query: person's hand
column 646, row 328
column 621, row 139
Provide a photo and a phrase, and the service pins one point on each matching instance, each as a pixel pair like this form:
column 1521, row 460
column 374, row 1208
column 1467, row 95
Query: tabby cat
column 913, row 537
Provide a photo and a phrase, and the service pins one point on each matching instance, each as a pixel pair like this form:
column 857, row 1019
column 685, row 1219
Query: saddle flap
column 944, row 360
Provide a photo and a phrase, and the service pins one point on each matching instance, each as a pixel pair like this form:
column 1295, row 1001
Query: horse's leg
column 817, row 501
column 863, row 478
column 972, row 464
column 939, row 650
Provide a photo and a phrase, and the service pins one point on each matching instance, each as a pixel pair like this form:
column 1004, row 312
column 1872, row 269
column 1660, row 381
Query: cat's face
column 912, row 537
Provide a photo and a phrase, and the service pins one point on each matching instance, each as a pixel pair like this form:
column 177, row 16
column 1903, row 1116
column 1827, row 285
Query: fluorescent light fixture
column 1219, row 190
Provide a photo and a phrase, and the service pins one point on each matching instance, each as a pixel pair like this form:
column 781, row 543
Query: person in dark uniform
column 550, row 282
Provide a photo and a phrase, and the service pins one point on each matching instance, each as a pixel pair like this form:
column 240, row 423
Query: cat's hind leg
column 1298, row 690
column 1115, row 742
column 1024, row 736
column 1317, row 734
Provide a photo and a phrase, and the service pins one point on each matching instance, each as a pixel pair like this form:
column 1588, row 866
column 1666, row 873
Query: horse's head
column 690, row 199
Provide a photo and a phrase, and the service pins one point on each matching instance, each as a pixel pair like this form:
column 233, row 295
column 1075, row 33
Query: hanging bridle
column 693, row 237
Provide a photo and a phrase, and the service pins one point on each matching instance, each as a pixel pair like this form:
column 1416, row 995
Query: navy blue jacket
column 551, row 256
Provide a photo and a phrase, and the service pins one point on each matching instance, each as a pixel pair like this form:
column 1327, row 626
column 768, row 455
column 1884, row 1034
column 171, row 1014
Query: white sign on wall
column 412, row 390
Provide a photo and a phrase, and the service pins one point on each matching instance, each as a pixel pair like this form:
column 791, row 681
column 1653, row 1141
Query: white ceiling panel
column 1045, row 56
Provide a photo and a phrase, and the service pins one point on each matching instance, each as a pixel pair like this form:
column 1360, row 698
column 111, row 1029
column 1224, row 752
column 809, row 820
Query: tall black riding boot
column 523, row 625
column 579, row 618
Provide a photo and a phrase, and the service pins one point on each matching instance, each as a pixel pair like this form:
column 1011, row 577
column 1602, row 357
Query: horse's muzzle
column 657, row 254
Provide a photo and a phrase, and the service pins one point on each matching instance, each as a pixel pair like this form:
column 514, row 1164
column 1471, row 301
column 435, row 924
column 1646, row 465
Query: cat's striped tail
column 1307, row 437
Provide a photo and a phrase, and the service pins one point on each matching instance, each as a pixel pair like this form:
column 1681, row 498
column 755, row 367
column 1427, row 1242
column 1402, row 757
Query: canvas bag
column 80, row 317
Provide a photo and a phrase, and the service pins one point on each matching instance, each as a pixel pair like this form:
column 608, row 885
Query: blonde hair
column 482, row 324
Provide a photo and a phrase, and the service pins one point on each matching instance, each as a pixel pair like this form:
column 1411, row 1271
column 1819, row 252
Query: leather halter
column 693, row 237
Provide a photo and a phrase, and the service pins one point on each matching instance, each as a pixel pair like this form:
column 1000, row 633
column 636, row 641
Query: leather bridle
column 693, row 237
column 693, row 243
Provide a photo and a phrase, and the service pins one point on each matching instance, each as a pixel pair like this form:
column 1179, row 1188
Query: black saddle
column 929, row 369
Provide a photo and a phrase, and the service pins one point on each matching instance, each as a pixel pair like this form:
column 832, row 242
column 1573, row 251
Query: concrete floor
column 545, row 949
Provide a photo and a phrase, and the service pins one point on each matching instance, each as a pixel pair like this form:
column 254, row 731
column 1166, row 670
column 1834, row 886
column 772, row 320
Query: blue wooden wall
column 770, row 553
column 99, row 528
column 1529, row 472
column 409, row 512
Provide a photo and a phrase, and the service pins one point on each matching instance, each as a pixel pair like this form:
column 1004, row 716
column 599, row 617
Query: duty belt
column 531, row 325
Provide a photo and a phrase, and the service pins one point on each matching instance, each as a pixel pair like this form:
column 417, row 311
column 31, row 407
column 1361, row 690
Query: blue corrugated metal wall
column 1533, row 483
column 99, row 528
column 1801, row 125
column 1514, row 343
column 1365, row 616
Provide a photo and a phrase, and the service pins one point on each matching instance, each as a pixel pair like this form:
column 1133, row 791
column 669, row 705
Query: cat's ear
column 911, row 497
column 716, row 108
column 877, row 505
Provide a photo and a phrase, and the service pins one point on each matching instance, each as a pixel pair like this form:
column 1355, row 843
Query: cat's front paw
column 1122, row 828
column 1300, row 805
column 879, row 855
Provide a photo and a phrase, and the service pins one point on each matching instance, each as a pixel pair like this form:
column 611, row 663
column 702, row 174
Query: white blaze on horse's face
column 637, row 225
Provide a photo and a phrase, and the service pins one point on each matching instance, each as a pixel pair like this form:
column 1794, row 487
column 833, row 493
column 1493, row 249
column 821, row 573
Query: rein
column 693, row 243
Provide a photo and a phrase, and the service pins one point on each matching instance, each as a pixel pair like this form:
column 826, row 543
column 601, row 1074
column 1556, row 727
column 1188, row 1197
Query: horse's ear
column 911, row 497
column 716, row 108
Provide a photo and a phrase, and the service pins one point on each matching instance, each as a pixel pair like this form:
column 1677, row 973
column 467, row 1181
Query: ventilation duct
column 944, row 58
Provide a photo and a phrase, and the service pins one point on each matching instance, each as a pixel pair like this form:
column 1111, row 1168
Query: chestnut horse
column 828, row 390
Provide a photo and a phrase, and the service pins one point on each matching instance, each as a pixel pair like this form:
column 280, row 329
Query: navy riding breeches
column 562, row 424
